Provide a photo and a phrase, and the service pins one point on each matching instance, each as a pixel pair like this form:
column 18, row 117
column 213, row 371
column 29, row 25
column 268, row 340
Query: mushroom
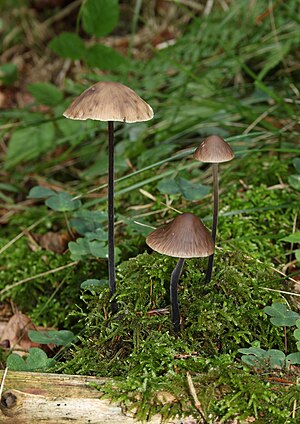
column 213, row 149
column 184, row 237
column 110, row 101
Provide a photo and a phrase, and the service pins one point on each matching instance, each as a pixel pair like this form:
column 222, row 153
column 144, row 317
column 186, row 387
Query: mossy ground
column 137, row 347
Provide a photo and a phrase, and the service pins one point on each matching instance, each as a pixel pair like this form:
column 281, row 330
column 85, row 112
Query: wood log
column 30, row 398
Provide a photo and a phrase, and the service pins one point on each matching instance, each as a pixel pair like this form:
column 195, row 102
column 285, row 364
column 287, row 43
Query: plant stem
column 175, row 276
column 111, row 217
column 285, row 341
column 215, row 221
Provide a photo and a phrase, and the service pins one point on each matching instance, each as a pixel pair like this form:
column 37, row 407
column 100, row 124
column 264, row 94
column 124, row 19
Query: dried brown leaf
column 56, row 242
column 16, row 332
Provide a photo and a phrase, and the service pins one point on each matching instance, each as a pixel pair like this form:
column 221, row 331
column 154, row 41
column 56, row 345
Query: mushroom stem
column 111, row 217
column 175, row 276
column 215, row 221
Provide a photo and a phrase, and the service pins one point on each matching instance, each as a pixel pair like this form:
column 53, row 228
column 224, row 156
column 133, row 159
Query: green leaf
column 29, row 143
column 103, row 57
column 99, row 234
column 294, row 181
column 254, row 357
column 60, row 338
column 258, row 357
column 294, row 358
column 16, row 363
column 39, row 192
column 168, row 186
column 192, row 191
column 8, row 73
column 68, row 45
column 293, row 238
column 256, row 351
column 252, row 361
column 97, row 249
column 46, row 93
column 99, row 17
column 37, row 360
column 275, row 358
column 62, row 202
column 9, row 187
column 297, row 254
column 74, row 131
column 79, row 249
column 94, row 285
column 85, row 221
column 297, row 333
column 296, row 163
column 83, row 247
column 281, row 315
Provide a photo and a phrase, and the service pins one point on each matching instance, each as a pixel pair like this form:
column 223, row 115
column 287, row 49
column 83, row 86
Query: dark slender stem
column 175, row 276
column 111, row 217
column 215, row 221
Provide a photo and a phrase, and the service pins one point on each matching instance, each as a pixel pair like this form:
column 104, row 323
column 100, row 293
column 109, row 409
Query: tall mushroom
column 214, row 150
column 184, row 237
column 110, row 101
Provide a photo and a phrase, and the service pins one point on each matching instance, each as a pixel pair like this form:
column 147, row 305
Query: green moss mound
column 138, row 347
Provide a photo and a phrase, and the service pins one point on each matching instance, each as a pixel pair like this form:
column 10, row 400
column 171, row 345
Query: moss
column 138, row 347
column 49, row 298
column 253, row 227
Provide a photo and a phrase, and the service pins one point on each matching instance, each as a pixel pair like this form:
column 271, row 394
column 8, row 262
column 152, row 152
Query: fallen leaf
column 165, row 397
column 56, row 242
column 16, row 333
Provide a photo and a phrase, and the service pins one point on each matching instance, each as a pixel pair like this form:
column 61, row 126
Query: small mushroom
column 184, row 237
column 214, row 150
column 110, row 101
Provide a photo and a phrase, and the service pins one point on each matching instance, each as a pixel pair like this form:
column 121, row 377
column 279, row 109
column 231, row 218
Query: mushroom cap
column 214, row 149
column 109, row 101
column 184, row 237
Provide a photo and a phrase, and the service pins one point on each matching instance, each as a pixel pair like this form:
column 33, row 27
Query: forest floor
column 202, row 75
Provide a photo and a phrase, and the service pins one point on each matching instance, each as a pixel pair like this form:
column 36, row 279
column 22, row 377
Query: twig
column 34, row 277
column 189, row 3
column 275, row 270
column 62, row 13
column 294, row 409
column 208, row 7
column 195, row 397
column 259, row 119
column 144, row 225
column 281, row 291
column 2, row 382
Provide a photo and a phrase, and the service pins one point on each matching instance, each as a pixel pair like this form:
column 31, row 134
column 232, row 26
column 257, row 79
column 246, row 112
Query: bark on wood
column 30, row 398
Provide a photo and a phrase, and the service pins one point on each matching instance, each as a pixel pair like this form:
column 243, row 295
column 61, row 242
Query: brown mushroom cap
column 214, row 150
column 109, row 101
column 184, row 237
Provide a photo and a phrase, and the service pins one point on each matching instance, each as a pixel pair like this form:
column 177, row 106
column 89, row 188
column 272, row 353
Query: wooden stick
column 2, row 381
column 30, row 397
column 197, row 403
